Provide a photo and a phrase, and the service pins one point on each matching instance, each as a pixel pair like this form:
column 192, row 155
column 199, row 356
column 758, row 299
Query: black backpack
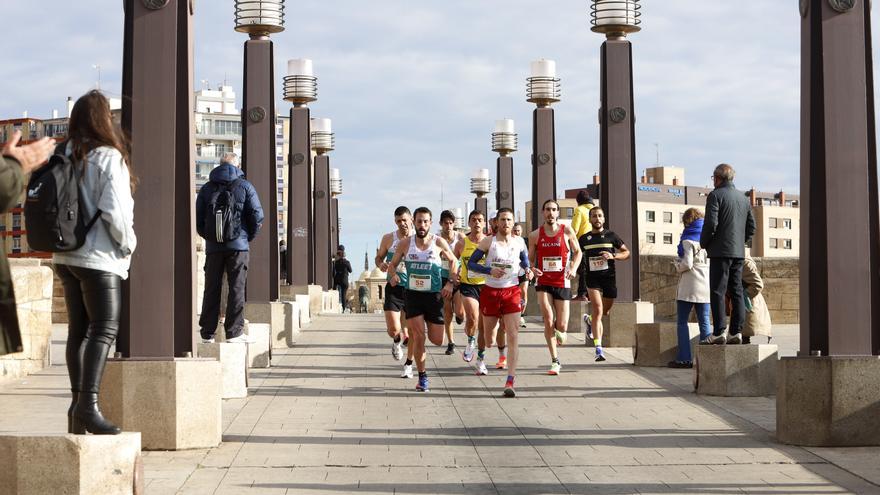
column 223, row 216
column 54, row 216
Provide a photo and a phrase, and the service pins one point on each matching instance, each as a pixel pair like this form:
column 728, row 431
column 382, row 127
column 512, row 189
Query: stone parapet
column 735, row 370
column 33, row 288
column 657, row 343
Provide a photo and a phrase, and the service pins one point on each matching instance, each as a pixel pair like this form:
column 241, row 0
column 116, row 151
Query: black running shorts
column 557, row 293
column 607, row 285
column 472, row 291
column 395, row 298
column 427, row 304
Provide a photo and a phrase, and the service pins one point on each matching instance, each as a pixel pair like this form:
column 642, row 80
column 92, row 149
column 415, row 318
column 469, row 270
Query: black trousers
column 94, row 302
column 725, row 277
column 234, row 264
column 342, row 289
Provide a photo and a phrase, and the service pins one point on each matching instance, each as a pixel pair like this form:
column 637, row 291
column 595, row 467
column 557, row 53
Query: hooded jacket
column 246, row 201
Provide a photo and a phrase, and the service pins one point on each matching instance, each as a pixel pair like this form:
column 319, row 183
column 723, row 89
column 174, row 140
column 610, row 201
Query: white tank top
column 445, row 262
column 507, row 258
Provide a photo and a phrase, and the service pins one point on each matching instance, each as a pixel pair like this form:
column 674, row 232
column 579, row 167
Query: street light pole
column 259, row 19
column 335, row 192
column 543, row 90
column 481, row 185
column 322, row 143
column 504, row 142
column 615, row 19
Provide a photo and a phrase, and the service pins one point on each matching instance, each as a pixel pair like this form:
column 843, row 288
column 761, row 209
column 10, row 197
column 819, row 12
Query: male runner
column 549, row 246
column 424, row 292
column 471, row 283
column 453, row 303
column 395, row 296
column 601, row 249
column 500, row 299
column 523, row 282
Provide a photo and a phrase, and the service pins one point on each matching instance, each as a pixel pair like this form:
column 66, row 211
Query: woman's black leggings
column 94, row 302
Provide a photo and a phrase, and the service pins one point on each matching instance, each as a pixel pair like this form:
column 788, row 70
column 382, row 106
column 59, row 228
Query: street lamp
column 615, row 19
column 322, row 143
column 335, row 192
column 481, row 184
column 542, row 89
column 258, row 19
column 504, row 142
column 300, row 89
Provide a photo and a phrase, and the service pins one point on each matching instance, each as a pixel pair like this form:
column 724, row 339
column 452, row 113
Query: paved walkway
column 332, row 416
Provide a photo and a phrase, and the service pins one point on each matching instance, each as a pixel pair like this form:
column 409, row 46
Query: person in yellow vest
column 580, row 224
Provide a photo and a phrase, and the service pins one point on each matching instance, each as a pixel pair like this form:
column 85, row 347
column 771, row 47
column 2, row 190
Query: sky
column 414, row 88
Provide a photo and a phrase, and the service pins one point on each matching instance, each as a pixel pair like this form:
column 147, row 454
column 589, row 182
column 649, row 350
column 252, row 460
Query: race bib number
column 420, row 283
column 598, row 263
column 552, row 264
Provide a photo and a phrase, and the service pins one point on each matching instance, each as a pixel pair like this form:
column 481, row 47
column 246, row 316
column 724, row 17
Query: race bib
column 508, row 268
column 445, row 264
column 598, row 263
column 420, row 283
column 552, row 264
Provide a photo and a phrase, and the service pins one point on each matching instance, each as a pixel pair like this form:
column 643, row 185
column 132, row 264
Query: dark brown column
column 840, row 288
column 504, row 174
column 334, row 227
column 618, row 160
column 299, row 201
column 258, row 162
column 322, row 221
column 543, row 161
column 159, row 307
column 482, row 205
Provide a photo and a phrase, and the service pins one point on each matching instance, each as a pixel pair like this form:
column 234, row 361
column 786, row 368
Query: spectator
column 92, row 275
column 15, row 163
column 693, row 286
column 728, row 226
column 757, row 313
column 580, row 224
column 230, row 257
column 341, row 269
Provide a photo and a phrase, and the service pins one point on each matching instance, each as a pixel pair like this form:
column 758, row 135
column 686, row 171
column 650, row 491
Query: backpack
column 223, row 216
column 54, row 216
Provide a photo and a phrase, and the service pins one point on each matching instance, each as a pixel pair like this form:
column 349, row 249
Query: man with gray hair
column 728, row 226
column 228, row 216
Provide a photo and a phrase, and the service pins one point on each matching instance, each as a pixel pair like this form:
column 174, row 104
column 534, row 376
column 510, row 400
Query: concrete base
column 735, row 370
column 331, row 302
column 828, row 401
column 272, row 313
column 70, row 464
column 233, row 367
column 259, row 354
column 174, row 403
column 619, row 327
column 305, row 311
column 291, row 326
column 657, row 343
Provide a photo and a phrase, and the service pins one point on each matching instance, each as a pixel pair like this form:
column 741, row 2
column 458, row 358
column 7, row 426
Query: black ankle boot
column 74, row 398
column 88, row 418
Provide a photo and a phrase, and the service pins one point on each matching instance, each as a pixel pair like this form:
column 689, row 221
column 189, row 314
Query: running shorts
column 395, row 298
column 472, row 291
column 557, row 293
column 499, row 302
column 607, row 285
column 427, row 304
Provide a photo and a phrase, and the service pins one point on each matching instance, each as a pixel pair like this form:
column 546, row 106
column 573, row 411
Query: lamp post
column 322, row 143
column 615, row 19
column 504, row 141
column 481, row 184
column 300, row 88
column 335, row 192
column 542, row 89
column 259, row 19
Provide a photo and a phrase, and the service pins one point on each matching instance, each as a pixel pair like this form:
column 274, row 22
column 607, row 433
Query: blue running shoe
column 423, row 384
column 600, row 356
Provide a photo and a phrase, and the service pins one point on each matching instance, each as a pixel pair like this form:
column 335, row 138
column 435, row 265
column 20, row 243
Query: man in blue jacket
column 230, row 257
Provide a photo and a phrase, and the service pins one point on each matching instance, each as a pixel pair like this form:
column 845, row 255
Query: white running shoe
column 468, row 354
column 588, row 319
column 407, row 371
column 396, row 351
column 522, row 322
column 481, row 368
column 242, row 339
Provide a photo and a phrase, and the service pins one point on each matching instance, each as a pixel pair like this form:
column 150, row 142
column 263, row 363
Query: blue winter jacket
column 246, row 199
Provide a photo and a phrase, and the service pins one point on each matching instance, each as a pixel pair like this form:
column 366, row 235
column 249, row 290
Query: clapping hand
column 30, row 156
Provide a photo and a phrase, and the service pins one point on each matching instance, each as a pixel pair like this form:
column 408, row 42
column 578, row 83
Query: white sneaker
column 481, row 368
column 207, row 341
column 407, row 371
column 522, row 322
column 588, row 320
column 241, row 339
column 396, row 350
column 468, row 354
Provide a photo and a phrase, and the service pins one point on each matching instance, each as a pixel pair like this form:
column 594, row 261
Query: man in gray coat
column 728, row 226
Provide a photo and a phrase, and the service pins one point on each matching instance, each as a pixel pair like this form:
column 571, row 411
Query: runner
column 501, row 299
column 601, row 248
column 471, row 283
column 523, row 282
column 501, row 336
column 549, row 247
column 453, row 303
column 424, row 292
column 394, row 296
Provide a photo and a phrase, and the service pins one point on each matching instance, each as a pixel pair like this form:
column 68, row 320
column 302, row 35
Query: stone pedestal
column 735, row 370
column 33, row 286
column 70, row 464
column 273, row 313
column 331, row 302
column 828, row 401
column 305, row 310
column 233, row 367
column 291, row 324
column 619, row 327
column 259, row 353
column 174, row 403
column 657, row 343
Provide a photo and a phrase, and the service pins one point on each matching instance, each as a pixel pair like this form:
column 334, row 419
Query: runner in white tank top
column 453, row 303
column 394, row 296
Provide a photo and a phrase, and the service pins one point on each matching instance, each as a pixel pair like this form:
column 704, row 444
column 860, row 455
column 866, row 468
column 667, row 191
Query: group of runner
column 481, row 279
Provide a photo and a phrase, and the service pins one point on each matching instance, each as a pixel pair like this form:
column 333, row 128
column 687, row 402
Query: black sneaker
column 450, row 349
column 680, row 365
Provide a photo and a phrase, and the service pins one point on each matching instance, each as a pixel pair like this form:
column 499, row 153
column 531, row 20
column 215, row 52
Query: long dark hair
column 91, row 126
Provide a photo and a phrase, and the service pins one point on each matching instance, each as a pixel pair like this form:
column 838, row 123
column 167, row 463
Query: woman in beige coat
column 757, row 313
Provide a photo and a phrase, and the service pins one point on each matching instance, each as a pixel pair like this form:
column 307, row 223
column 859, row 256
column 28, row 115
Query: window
column 786, row 244
column 16, row 244
column 667, row 238
column 649, row 216
column 567, row 212
column 667, row 217
column 650, row 238
column 774, row 243
column 774, row 223
column 380, row 292
column 786, row 223
column 16, row 221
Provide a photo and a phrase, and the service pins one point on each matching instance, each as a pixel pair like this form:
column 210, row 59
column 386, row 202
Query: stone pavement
column 332, row 416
